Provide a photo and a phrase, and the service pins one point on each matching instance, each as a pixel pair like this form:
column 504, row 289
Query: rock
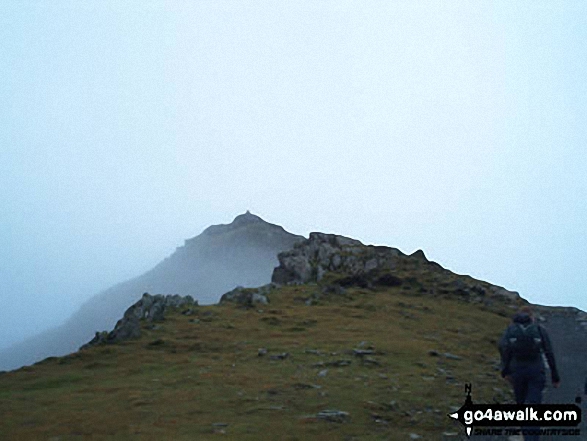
column 392, row 405
column 415, row 436
column 336, row 416
column 149, row 308
column 99, row 338
column 498, row 291
column 335, row 363
column 248, row 297
column 339, row 363
column 363, row 352
column 261, row 352
column 479, row 290
column 313, row 351
column 370, row 265
column 323, row 373
column 300, row 386
column 451, row 356
column 282, row 356
column 312, row 258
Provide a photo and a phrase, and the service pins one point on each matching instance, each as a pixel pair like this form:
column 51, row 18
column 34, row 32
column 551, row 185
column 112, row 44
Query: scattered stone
column 378, row 419
column 300, row 386
column 248, row 297
column 282, row 356
column 392, row 405
column 451, row 356
column 338, row 363
column 323, row 373
column 415, row 436
column 363, row 352
column 335, row 416
column 371, row 361
column 313, row 351
column 261, row 352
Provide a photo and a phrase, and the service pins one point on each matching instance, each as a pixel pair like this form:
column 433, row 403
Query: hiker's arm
column 548, row 352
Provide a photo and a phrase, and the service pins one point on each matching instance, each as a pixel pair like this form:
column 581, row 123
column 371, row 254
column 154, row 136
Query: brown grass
column 187, row 380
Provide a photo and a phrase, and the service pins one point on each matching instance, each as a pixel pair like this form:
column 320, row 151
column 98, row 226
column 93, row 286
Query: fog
column 126, row 128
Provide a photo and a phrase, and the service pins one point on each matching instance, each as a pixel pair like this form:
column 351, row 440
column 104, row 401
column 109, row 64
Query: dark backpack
column 525, row 342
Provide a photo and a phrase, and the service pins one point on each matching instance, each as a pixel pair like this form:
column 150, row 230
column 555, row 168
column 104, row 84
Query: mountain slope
column 243, row 252
column 356, row 342
column 391, row 362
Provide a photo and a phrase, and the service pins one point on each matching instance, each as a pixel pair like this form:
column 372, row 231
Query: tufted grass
column 205, row 380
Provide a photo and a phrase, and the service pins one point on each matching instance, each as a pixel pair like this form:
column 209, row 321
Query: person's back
column 521, row 348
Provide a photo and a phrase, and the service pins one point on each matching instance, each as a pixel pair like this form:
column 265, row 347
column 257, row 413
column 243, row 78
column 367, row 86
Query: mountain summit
column 239, row 221
column 222, row 257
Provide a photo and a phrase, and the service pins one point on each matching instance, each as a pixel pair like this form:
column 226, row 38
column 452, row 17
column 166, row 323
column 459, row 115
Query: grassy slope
column 178, row 381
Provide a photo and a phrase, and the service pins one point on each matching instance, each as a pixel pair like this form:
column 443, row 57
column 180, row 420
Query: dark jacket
column 509, row 363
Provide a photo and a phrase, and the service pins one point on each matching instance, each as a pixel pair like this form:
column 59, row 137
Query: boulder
column 311, row 259
column 149, row 308
column 248, row 297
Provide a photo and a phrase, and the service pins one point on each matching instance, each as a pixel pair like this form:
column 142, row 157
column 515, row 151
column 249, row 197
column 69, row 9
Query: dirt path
column 569, row 339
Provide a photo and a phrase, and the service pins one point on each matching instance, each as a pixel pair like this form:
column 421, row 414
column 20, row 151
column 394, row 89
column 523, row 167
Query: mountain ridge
column 349, row 341
column 205, row 267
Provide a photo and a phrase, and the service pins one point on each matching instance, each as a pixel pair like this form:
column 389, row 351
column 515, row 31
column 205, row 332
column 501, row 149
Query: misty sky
column 456, row 127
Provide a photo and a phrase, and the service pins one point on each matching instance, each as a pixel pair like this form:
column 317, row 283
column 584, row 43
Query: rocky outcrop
column 311, row 259
column 248, row 297
column 149, row 308
column 351, row 263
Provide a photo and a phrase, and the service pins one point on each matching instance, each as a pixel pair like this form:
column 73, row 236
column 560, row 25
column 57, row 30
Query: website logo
column 542, row 417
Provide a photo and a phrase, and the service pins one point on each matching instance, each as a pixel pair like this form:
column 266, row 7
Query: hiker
column 522, row 347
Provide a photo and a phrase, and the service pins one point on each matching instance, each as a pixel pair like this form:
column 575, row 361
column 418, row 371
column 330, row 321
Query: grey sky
column 127, row 127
